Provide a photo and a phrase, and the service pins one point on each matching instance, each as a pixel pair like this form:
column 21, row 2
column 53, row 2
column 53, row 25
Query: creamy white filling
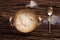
column 25, row 23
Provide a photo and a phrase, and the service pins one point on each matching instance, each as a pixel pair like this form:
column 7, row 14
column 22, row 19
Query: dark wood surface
column 10, row 7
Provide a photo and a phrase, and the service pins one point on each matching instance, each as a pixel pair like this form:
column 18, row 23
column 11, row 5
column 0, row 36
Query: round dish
column 25, row 20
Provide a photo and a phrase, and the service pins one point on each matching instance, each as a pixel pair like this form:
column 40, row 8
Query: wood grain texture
column 10, row 7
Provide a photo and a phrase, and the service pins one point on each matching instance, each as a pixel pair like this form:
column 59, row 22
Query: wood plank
column 10, row 7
